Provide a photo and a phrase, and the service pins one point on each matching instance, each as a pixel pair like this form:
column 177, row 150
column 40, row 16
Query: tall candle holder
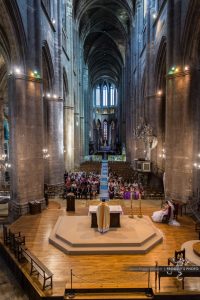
column 140, row 208
column 131, row 215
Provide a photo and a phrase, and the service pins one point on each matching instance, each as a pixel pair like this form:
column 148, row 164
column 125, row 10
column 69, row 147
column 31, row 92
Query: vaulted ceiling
column 104, row 30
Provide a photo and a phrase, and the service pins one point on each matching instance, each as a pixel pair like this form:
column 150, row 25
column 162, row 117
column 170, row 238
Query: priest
column 103, row 216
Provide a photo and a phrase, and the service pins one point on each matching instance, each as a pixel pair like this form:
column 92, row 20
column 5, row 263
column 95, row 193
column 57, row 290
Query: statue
column 144, row 132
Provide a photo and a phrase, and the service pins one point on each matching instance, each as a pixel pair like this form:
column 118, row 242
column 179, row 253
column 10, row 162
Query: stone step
column 138, row 235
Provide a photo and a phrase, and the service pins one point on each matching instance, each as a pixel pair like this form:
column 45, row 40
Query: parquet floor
column 104, row 270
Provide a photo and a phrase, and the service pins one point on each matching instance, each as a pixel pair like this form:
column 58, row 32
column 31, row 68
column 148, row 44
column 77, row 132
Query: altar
column 115, row 212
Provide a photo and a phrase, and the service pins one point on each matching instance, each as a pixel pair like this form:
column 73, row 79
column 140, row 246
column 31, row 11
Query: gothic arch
column 13, row 42
column 160, row 65
column 191, row 37
column 47, row 68
column 4, row 46
column 143, row 94
column 65, row 86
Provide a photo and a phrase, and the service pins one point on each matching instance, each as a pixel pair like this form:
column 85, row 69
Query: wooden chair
column 166, row 218
column 179, row 255
column 176, row 207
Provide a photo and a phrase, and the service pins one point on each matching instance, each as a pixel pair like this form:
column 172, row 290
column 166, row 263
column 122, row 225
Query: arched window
column 105, row 95
column 145, row 8
column 112, row 95
column 98, row 99
column 116, row 96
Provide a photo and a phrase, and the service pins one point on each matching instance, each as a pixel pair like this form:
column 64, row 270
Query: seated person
column 158, row 215
column 167, row 210
column 127, row 194
column 103, row 216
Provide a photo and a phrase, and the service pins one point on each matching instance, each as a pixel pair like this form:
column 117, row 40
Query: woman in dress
column 158, row 215
column 167, row 210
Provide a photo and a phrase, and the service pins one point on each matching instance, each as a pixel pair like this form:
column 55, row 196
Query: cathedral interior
column 86, row 79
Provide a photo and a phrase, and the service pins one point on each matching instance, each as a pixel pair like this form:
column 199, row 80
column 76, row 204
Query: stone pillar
column 179, row 139
column 54, row 162
column 26, row 140
column 195, row 107
column 2, row 170
column 76, row 139
column 69, row 137
column 84, row 109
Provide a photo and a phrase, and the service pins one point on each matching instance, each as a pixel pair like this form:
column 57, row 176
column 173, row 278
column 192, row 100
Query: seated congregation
column 86, row 185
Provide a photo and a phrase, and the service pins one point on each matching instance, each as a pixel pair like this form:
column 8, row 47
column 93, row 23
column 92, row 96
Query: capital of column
column 68, row 107
column 53, row 98
column 24, row 77
column 178, row 71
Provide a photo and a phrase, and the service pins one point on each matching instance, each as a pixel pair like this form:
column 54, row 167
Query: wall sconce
column 16, row 71
column 45, row 153
column 49, row 95
column 186, row 68
column 163, row 154
column 159, row 92
column 154, row 15
column 3, row 157
column 196, row 165
column 7, row 165
column 35, row 74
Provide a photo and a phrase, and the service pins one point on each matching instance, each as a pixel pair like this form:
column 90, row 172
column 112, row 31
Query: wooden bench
column 37, row 267
column 13, row 240
column 9, row 236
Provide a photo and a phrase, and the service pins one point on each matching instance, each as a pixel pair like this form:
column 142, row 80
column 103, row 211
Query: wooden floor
column 103, row 270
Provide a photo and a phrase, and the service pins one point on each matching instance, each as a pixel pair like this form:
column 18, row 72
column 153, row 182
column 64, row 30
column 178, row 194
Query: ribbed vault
column 104, row 29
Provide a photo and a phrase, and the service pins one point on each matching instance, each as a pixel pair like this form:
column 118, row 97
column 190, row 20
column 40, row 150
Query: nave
column 102, row 271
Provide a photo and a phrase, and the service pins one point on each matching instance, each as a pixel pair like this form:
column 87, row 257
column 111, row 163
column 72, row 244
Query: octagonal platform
column 74, row 235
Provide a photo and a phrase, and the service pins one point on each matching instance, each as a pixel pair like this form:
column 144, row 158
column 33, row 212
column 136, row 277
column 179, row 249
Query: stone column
column 54, row 162
column 69, row 137
column 2, row 170
column 179, row 140
column 179, row 123
column 26, row 140
column 76, row 139
column 195, row 107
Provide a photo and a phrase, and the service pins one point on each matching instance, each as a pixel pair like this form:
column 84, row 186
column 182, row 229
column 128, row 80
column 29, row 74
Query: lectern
column 70, row 202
